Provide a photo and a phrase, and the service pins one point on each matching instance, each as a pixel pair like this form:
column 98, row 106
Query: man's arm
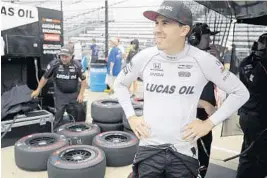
column 214, row 71
column 42, row 83
column 111, row 59
column 111, row 68
column 83, row 86
column 209, row 108
column 128, row 74
column 48, row 73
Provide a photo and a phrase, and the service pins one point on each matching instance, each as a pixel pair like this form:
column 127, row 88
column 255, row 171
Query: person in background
column 132, row 52
column 94, row 51
column 226, row 60
column 121, row 48
column 114, row 63
column 230, row 60
column 65, row 73
column 253, row 114
column 71, row 46
column 86, row 60
column 129, row 48
column 200, row 37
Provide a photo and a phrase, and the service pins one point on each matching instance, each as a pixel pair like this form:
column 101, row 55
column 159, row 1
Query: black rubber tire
column 111, row 113
column 138, row 111
column 120, row 153
column 78, row 136
column 34, row 158
column 94, row 166
column 105, row 127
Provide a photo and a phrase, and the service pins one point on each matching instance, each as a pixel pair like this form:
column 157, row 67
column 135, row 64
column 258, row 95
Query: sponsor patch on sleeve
column 220, row 65
column 226, row 75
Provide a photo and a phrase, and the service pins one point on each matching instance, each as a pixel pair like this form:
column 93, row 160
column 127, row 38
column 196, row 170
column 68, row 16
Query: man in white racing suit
column 174, row 75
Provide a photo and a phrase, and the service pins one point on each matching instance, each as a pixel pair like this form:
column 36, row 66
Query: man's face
column 168, row 33
column 262, row 49
column 205, row 41
column 262, row 45
column 65, row 59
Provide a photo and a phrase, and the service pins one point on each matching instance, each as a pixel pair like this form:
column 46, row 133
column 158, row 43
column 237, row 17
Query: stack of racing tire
column 80, row 149
column 107, row 114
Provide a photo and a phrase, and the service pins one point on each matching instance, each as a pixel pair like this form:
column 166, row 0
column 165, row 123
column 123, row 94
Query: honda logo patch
column 157, row 65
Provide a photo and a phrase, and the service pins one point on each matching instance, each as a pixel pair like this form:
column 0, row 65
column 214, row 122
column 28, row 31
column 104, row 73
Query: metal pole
column 106, row 28
column 61, row 9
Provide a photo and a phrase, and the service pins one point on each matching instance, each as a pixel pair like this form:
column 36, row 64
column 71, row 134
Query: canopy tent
column 249, row 12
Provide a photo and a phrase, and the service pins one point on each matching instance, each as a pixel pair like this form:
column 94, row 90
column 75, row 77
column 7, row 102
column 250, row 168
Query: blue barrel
column 98, row 72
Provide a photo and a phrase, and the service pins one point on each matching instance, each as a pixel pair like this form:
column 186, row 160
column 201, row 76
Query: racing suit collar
column 177, row 56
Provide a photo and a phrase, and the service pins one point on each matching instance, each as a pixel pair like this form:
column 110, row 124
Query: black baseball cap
column 66, row 51
column 263, row 38
column 174, row 10
column 205, row 29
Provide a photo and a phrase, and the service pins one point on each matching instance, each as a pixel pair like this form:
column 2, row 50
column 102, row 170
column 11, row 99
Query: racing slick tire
column 106, row 111
column 81, row 161
column 33, row 151
column 105, row 127
column 119, row 147
column 79, row 133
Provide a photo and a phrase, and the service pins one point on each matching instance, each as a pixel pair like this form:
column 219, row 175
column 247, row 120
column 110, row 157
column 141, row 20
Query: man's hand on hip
column 139, row 127
column 197, row 129
column 80, row 98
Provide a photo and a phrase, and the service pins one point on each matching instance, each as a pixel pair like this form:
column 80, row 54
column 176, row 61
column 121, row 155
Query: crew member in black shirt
column 253, row 114
column 200, row 38
column 65, row 73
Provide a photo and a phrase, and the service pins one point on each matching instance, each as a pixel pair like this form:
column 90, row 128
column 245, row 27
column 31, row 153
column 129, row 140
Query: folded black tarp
column 17, row 99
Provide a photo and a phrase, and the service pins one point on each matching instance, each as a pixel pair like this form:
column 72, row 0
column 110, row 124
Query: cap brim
column 151, row 15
